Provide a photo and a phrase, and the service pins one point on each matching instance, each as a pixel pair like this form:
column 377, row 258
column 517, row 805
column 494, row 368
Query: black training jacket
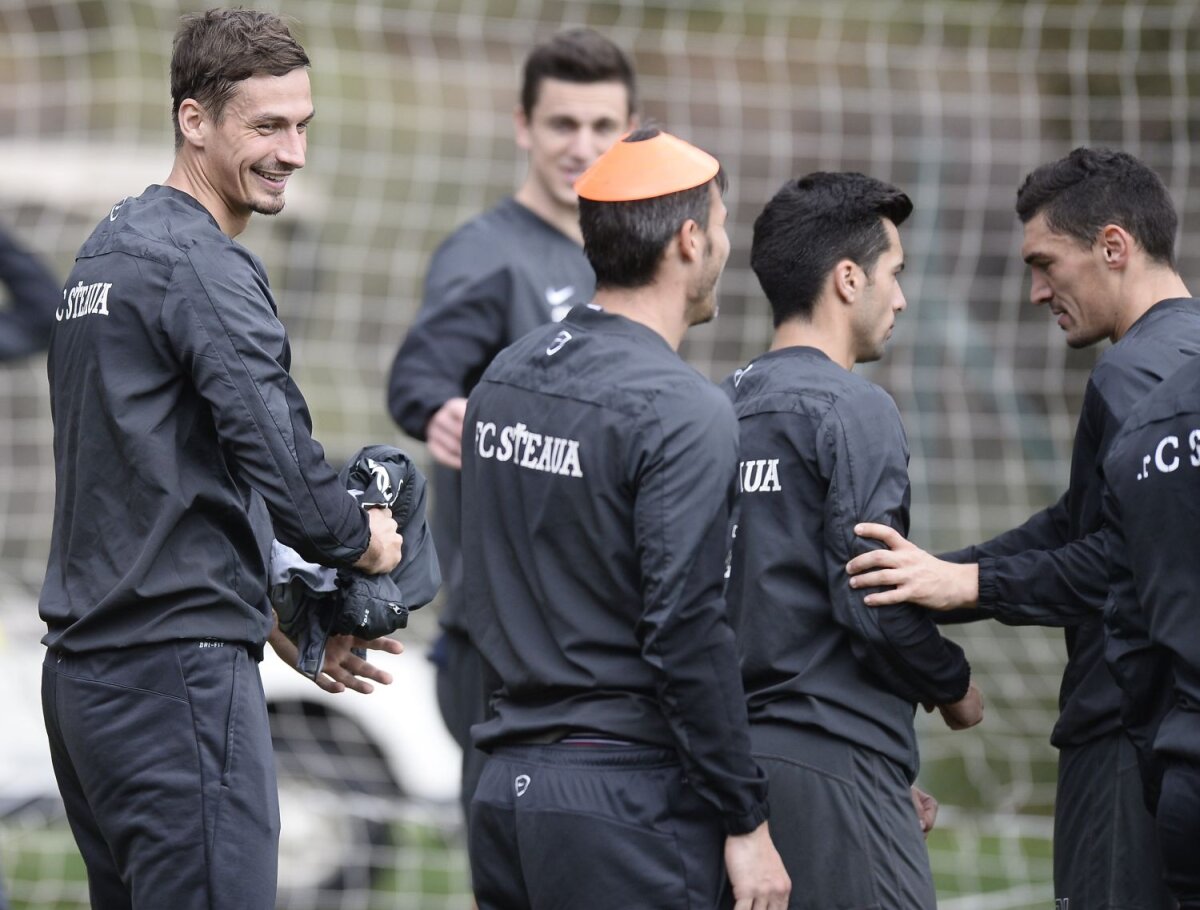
column 1152, row 500
column 1053, row 570
column 175, row 420
column 496, row 278
column 33, row 294
column 821, row 450
column 598, row 476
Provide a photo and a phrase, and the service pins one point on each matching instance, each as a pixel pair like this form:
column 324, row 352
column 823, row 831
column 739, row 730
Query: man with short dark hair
column 1099, row 241
column 502, row 274
column 831, row 684
column 181, row 446
column 597, row 490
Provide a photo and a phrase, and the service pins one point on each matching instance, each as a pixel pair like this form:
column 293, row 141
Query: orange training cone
column 646, row 169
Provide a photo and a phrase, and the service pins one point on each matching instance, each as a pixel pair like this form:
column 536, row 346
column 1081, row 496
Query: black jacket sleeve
column 865, row 456
column 458, row 331
column 1059, row 587
column 685, row 470
column 1060, row 576
column 221, row 321
column 34, row 293
column 1044, row 530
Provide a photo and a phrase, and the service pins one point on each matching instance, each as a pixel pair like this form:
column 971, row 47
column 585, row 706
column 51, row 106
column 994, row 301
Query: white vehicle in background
column 349, row 765
column 26, row 776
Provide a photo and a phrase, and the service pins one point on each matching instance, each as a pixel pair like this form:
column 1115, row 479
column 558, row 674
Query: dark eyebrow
column 268, row 117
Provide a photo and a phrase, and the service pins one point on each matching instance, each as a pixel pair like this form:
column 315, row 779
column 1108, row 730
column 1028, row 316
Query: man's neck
column 564, row 219
column 821, row 332
column 653, row 306
column 188, row 178
column 1152, row 286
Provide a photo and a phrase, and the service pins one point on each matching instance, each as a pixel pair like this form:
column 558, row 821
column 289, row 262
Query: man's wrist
column 362, row 557
column 968, row 586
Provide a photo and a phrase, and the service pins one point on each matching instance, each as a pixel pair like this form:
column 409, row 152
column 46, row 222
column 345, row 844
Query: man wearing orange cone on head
column 499, row 276
column 598, row 478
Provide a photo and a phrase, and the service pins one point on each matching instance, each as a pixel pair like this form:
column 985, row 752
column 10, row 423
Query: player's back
column 820, row 449
column 565, row 489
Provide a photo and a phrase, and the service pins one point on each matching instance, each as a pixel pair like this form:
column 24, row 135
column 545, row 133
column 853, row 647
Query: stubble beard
column 271, row 206
column 702, row 308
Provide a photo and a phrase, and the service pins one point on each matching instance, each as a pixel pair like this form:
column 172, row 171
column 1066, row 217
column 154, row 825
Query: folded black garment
column 314, row 602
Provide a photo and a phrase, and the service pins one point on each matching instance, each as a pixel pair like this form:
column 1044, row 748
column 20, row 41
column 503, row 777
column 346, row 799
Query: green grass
column 441, row 869
column 967, row 862
column 42, row 868
column 45, row 872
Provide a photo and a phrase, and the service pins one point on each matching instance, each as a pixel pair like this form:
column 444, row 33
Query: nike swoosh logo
column 556, row 296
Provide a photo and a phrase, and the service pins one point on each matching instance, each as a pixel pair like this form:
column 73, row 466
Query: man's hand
column 756, row 872
column 914, row 576
column 966, row 712
column 444, row 432
column 342, row 669
column 386, row 547
column 926, row 807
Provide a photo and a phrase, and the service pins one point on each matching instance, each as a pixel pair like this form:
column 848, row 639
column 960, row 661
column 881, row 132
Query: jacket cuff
column 959, row 692
column 988, row 595
column 747, row 821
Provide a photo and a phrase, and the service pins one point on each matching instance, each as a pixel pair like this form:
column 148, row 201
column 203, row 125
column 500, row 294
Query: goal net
column 954, row 101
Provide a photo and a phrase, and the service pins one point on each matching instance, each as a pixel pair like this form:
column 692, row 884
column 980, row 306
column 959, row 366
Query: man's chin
column 272, row 206
column 1079, row 341
column 567, row 198
column 702, row 313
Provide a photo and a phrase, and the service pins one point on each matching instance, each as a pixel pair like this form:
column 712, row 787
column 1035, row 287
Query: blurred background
column 953, row 101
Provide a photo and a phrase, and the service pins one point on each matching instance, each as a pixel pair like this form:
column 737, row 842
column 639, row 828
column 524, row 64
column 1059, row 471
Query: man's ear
column 691, row 241
column 848, row 279
column 193, row 122
column 521, row 129
column 1116, row 245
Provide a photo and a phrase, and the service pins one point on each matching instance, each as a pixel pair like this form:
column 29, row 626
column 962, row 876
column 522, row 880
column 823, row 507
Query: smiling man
column 1100, row 244
column 181, row 447
column 504, row 273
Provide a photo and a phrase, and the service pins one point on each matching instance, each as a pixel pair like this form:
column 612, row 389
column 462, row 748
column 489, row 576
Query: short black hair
column 576, row 55
column 216, row 50
column 811, row 225
column 1092, row 187
column 624, row 241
